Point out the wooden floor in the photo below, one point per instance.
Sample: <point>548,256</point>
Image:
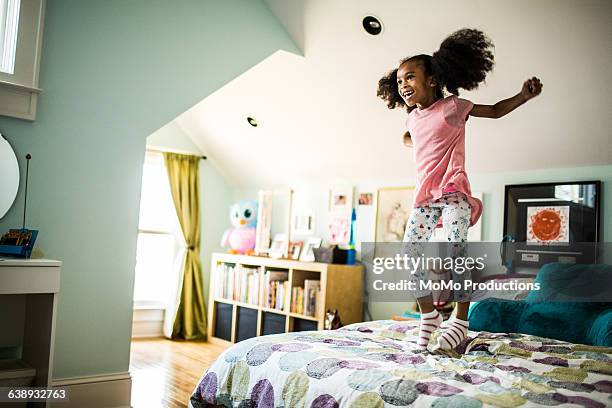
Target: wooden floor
<point>164,372</point>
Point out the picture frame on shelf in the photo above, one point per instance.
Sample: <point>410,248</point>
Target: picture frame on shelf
<point>295,247</point>
<point>340,199</point>
<point>307,254</point>
<point>279,246</point>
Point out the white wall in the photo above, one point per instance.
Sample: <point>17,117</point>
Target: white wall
<point>320,118</point>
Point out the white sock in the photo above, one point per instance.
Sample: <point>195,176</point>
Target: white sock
<point>429,323</point>
<point>454,334</point>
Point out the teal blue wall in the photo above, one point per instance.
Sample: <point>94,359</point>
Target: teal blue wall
<point>113,72</point>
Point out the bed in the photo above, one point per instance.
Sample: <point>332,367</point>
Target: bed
<point>374,364</point>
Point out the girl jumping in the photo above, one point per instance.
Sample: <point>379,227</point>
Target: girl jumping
<point>436,131</point>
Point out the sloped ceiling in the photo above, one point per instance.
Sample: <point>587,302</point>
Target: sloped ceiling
<point>320,121</point>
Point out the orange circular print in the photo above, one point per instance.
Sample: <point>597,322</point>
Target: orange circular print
<point>546,225</point>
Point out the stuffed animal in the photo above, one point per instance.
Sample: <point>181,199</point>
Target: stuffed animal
<point>241,238</point>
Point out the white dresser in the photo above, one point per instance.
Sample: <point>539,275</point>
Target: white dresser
<point>29,290</point>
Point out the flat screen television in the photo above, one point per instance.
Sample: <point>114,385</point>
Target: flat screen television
<point>552,222</point>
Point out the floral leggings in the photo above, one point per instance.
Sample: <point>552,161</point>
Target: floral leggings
<point>455,212</point>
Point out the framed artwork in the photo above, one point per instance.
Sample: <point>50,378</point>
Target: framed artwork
<point>341,199</point>
<point>307,255</point>
<point>552,222</point>
<point>303,224</point>
<point>365,199</point>
<point>393,207</point>
<point>548,224</point>
<point>340,230</point>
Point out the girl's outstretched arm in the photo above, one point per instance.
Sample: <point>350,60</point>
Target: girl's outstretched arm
<point>531,88</point>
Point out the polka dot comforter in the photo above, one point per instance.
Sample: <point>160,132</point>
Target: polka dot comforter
<point>375,364</point>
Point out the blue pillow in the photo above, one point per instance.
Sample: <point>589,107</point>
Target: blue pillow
<point>567,321</point>
<point>496,315</point>
<point>573,283</point>
<point>600,333</point>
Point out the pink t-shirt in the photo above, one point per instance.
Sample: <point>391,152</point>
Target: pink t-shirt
<point>438,139</point>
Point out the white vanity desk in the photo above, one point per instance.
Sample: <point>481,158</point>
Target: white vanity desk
<point>29,291</point>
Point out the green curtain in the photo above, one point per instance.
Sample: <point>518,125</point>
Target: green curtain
<point>190,321</point>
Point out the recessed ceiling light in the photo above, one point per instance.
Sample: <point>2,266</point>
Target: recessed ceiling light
<point>372,25</point>
<point>252,121</point>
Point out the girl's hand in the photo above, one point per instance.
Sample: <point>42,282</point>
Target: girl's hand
<point>531,88</point>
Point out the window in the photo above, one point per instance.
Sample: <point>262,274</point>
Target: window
<point>9,27</point>
<point>157,243</point>
<point>21,32</point>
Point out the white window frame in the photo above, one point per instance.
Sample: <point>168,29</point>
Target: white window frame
<point>19,91</point>
<point>155,304</point>
<point>147,304</point>
<point>9,30</point>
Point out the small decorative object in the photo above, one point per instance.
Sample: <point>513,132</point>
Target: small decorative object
<point>324,254</point>
<point>333,255</point>
<point>307,255</point>
<point>303,224</point>
<point>264,223</point>
<point>392,211</point>
<point>332,320</point>
<point>365,199</point>
<point>279,246</point>
<point>295,248</point>
<point>20,242</point>
<point>351,256</point>
<point>341,199</point>
<point>241,238</point>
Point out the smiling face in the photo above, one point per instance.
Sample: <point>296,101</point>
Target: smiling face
<point>414,85</point>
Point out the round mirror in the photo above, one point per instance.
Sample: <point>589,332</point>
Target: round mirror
<point>9,176</point>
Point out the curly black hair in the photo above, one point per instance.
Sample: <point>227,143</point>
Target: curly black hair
<point>463,61</point>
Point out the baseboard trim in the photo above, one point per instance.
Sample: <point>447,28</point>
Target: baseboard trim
<point>147,329</point>
<point>97,391</point>
<point>148,323</point>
